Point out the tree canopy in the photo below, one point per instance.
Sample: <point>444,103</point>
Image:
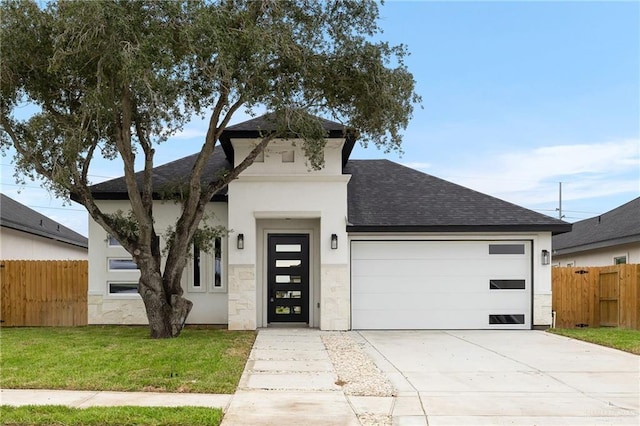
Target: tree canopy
<point>114,78</point>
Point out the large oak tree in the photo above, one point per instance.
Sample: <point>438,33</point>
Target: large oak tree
<point>116,78</point>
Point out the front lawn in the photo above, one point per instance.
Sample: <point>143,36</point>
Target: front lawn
<point>106,416</point>
<point>617,338</point>
<point>123,358</point>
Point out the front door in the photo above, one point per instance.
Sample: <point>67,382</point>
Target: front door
<point>288,278</point>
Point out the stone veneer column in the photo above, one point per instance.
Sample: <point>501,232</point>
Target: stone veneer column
<point>335,304</point>
<point>542,309</point>
<point>242,297</point>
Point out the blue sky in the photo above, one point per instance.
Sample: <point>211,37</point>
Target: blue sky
<point>517,96</point>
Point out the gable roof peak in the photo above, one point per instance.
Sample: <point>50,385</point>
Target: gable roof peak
<point>256,127</point>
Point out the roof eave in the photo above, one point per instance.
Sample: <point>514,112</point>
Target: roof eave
<point>227,146</point>
<point>597,245</point>
<point>116,195</point>
<point>45,235</point>
<point>554,228</point>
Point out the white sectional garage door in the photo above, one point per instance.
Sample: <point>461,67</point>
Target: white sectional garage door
<point>441,284</point>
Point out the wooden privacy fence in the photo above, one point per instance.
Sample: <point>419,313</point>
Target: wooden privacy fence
<point>603,296</point>
<point>43,293</point>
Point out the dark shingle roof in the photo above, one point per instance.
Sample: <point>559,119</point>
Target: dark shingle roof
<point>165,177</point>
<point>618,226</point>
<point>263,124</point>
<point>21,218</point>
<point>386,196</point>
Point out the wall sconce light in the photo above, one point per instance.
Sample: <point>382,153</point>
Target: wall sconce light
<point>334,241</point>
<point>546,257</point>
<point>240,241</point>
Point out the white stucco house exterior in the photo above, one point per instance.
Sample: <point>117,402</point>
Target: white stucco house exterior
<point>26,234</point>
<point>608,239</point>
<point>359,244</point>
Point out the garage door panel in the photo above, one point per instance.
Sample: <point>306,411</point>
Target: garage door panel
<point>440,301</point>
<point>439,284</point>
<point>411,320</point>
<point>412,268</point>
<point>417,250</point>
<point>430,284</point>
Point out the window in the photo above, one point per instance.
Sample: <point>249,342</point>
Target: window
<point>620,260</point>
<point>112,242</point>
<point>207,268</point>
<point>196,265</point>
<point>506,248</point>
<point>217,281</point>
<point>123,288</point>
<point>506,319</point>
<point>122,264</point>
<point>507,284</point>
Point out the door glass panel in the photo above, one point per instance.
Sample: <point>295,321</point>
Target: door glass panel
<point>297,309</point>
<point>288,294</point>
<point>288,263</point>
<point>283,310</point>
<point>288,248</point>
<point>288,279</point>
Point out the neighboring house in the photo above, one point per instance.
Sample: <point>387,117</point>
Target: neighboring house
<point>359,244</point>
<point>609,239</point>
<point>26,234</point>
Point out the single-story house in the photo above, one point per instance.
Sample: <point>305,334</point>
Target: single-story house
<point>359,244</point>
<point>26,234</point>
<point>608,239</point>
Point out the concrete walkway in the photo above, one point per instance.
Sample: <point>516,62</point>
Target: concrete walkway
<point>84,399</point>
<point>289,379</point>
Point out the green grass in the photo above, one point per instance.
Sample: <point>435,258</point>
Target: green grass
<point>104,416</point>
<point>120,358</point>
<point>617,338</point>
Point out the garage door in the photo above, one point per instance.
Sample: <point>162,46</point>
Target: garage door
<point>441,284</point>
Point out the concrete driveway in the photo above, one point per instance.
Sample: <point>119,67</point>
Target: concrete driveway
<point>505,377</point>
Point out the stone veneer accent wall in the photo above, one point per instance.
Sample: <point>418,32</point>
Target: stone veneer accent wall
<point>103,310</point>
<point>242,297</point>
<point>335,304</point>
<point>542,309</point>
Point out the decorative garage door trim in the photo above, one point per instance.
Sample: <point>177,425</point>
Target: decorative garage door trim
<point>441,284</point>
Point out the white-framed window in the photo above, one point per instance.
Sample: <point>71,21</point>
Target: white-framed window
<point>121,264</point>
<point>112,241</point>
<point>206,273</point>
<point>620,260</point>
<point>122,288</point>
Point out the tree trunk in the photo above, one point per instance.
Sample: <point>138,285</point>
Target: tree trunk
<point>167,314</point>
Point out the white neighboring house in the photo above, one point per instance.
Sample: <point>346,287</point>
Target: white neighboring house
<point>359,244</point>
<point>609,239</point>
<point>26,234</point>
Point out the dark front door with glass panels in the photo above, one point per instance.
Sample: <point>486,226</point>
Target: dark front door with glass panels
<point>288,278</point>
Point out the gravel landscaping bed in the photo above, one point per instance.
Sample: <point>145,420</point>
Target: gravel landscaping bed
<point>357,373</point>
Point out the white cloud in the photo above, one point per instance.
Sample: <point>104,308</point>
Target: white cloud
<point>531,176</point>
<point>418,165</point>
